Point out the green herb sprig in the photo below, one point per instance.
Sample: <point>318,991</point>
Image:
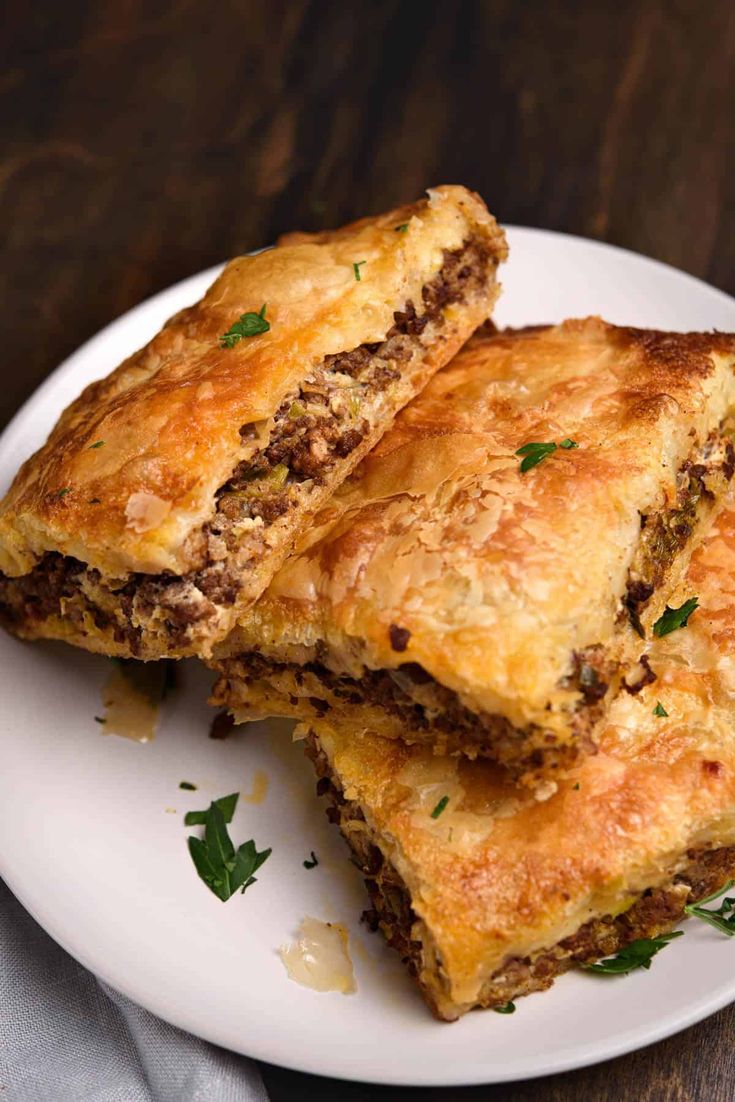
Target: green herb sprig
<point>505,1008</point>
<point>312,864</point>
<point>249,325</point>
<point>638,954</point>
<point>440,807</point>
<point>97,444</point>
<point>226,805</point>
<point>723,919</point>
<point>659,710</point>
<point>535,453</point>
<point>673,618</point>
<point>223,869</point>
<point>356,269</point>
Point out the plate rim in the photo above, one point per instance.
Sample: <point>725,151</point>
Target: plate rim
<point>627,1043</point>
<point>593,1052</point>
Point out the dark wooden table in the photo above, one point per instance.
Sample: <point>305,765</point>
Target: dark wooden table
<point>143,141</point>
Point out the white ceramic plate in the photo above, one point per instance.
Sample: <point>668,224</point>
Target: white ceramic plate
<point>89,846</point>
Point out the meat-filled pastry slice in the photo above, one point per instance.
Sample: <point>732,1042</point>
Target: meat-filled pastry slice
<point>488,893</point>
<point>169,492</point>
<point>483,580</point>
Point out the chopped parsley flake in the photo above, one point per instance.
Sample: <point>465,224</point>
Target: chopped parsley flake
<point>535,453</point>
<point>97,444</point>
<point>659,710</point>
<point>188,786</point>
<point>723,919</point>
<point>356,269</point>
<point>440,807</point>
<point>226,805</point>
<point>576,787</point>
<point>58,494</point>
<point>403,228</point>
<point>638,954</point>
<point>100,719</point>
<point>249,325</point>
<point>505,1008</point>
<point>312,864</point>
<point>224,869</point>
<point>673,618</point>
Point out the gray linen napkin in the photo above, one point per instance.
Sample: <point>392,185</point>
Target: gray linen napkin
<point>66,1037</point>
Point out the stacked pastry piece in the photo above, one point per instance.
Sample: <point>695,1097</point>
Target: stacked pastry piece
<point>486,638</point>
<point>169,493</point>
<point>483,629</point>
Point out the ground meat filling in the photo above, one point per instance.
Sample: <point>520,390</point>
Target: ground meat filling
<point>313,429</point>
<point>322,422</point>
<point>665,534</point>
<point>391,908</point>
<point>424,705</point>
<point>655,910</point>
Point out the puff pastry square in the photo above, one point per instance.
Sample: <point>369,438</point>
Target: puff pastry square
<point>168,494</point>
<point>499,893</point>
<point>448,596</point>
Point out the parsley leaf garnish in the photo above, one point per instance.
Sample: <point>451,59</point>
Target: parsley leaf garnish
<point>249,325</point>
<point>535,453</point>
<point>313,863</point>
<point>226,805</point>
<point>636,955</point>
<point>97,444</point>
<point>659,710</point>
<point>673,618</point>
<point>58,494</point>
<point>223,868</point>
<point>723,919</point>
<point>356,269</point>
<point>100,719</point>
<point>403,228</point>
<point>440,807</point>
<point>187,786</point>
<point>505,1008</point>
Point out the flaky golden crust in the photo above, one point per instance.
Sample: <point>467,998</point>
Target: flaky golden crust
<point>129,476</point>
<point>500,877</point>
<point>496,579</point>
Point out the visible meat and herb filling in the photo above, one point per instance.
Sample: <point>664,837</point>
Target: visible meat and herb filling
<point>663,535</point>
<point>322,423</point>
<point>655,911</point>
<point>429,711</point>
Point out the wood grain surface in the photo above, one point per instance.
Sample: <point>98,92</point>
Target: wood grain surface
<point>144,141</point>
